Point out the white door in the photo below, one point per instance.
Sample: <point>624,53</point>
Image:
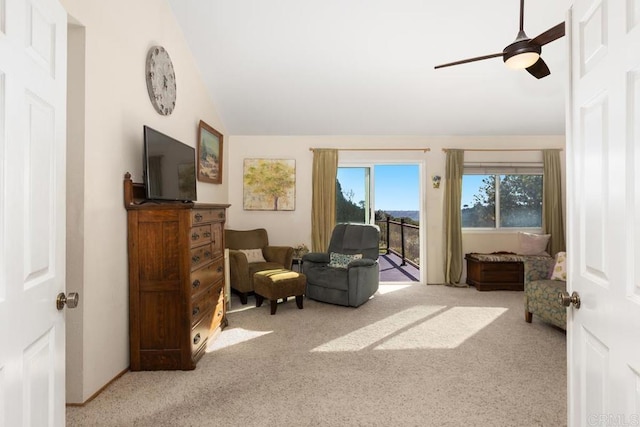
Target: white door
<point>32,211</point>
<point>603,170</point>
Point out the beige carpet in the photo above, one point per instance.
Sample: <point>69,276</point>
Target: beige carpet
<point>414,355</point>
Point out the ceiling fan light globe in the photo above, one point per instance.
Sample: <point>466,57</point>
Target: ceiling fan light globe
<point>522,60</point>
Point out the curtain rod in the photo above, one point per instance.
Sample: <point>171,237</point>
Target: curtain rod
<point>501,149</point>
<point>424,150</point>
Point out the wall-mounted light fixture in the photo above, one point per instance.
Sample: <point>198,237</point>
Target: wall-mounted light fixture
<point>435,179</point>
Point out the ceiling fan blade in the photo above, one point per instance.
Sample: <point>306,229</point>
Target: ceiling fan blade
<point>550,35</point>
<point>539,69</point>
<point>464,61</point>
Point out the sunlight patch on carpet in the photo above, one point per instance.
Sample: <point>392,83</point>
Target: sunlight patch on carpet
<point>387,289</point>
<point>234,336</point>
<point>446,330</point>
<point>378,331</point>
<point>244,307</point>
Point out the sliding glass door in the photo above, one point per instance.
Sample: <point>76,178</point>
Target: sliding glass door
<point>387,195</point>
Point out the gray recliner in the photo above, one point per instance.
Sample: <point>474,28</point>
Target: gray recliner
<point>351,286</point>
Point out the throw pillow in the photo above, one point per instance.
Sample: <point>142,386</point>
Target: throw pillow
<point>560,269</point>
<point>337,260</point>
<point>533,244</point>
<point>253,255</point>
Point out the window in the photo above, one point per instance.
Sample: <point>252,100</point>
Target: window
<point>502,200</point>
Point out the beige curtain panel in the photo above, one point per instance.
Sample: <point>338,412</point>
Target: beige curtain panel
<point>552,217</point>
<point>453,217</point>
<point>323,199</point>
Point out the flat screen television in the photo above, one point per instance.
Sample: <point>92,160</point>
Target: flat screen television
<point>169,168</point>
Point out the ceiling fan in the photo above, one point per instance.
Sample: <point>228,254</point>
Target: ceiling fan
<point>523,52</point>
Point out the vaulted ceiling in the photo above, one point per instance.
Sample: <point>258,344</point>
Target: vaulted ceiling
<point>365,67</point>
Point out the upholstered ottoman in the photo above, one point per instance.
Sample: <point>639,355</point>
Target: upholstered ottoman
<point>276,284</point>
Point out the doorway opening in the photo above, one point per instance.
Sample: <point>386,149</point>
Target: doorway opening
<point>387,195</point>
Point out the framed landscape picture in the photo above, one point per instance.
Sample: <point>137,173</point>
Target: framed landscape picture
<point>209,154</point>
<point>269,185</point>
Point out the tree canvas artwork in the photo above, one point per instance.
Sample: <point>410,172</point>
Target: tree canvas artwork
<point>269,185</point>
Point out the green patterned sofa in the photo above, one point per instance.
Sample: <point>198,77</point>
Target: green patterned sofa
<point>541,294</point>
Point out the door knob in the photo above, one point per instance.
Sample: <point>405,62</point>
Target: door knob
<point>71,301</point>
<point>567,300</point>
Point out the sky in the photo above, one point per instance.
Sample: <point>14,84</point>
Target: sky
<point>397,186</point>
<point>470,186</point>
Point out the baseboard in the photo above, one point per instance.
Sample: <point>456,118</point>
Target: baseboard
<point>94,395</point>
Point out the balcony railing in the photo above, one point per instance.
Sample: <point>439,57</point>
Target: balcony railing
<point>402,239</point>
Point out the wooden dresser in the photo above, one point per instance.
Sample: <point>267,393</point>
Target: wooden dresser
<point>176,279</point>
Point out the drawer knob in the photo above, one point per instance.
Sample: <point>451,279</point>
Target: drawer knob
<point>196,339</point>
<point>207,234</point>
<point>198,217</point>
<point>195,236</point>
<point>195,311</point>
<point>195,258</point>
<point>219,269</point>
<point>207,254</point>
<point>196,284</point>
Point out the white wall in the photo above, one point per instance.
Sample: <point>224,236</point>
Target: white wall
<point>293,227</point>
<point>117,37</point>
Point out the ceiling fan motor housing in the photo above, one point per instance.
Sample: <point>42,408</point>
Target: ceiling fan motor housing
<point>520,46</point>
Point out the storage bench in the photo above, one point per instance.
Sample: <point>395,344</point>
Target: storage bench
<point>496,271</point>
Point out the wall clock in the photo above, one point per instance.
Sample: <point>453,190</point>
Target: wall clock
<point>161,80</point>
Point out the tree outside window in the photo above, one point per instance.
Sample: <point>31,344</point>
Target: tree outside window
<point>346,209</point>
<point>502,201</point>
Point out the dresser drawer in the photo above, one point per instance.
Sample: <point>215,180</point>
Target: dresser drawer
<point>201,256</point>
<point>218,312</point>
<point>201,216</point>
<point>203,303</point>
<point>200,332</point>
<point>216,239</point>
<point>200,234</point>
<point>205,276</point>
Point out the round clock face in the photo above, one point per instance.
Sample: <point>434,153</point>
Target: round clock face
<point>161,80</point>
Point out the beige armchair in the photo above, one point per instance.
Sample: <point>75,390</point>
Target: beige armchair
<point>244,260</point>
